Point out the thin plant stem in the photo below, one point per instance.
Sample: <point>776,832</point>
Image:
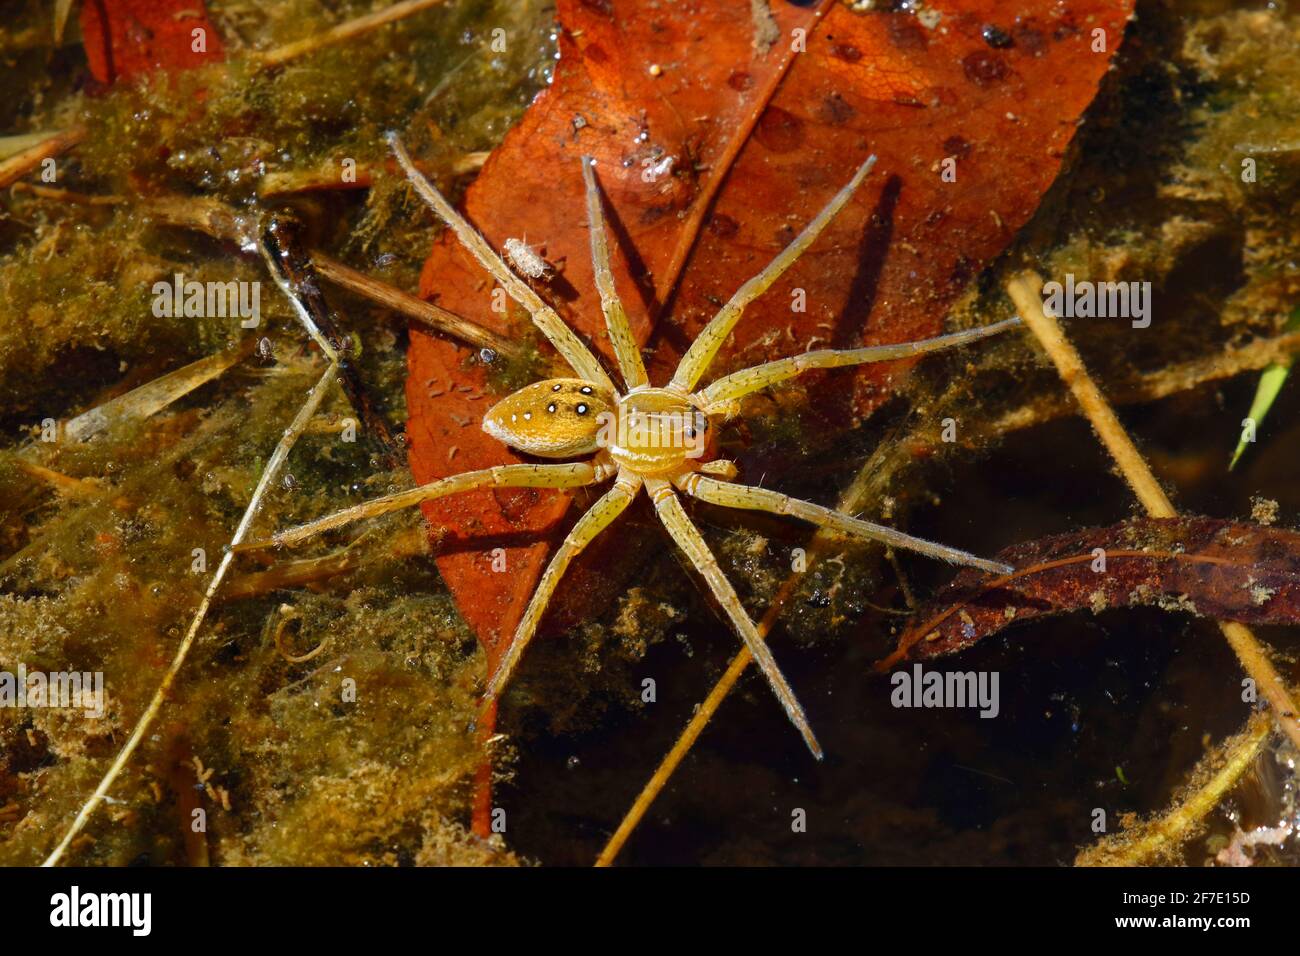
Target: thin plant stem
<point>1132,848</point>
<point>150,714</point>
<point>343,32</point>
<point>19,165</point>
<point>1025,291</point>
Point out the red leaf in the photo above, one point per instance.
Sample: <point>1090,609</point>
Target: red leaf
<point>124,38</point>
<point>1206,566</point>
<point>759,139</point>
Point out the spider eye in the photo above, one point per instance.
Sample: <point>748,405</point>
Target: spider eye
<point>556,388</point>
<point>586,390</point>
<point>582,409</point>
<point>551,407</point>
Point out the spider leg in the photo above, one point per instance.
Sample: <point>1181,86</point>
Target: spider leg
<point>620,331</point>
<point>593,522</point>
<point>688,538</point>
<point>702,351</point>
<point>565,340</point>
<point>738,384</point>
<point>567,475</point>
<point>750,498</point>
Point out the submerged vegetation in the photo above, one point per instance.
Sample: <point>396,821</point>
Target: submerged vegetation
<point>106,545</point>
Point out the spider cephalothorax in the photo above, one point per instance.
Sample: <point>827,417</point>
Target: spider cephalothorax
<point>648,437</point>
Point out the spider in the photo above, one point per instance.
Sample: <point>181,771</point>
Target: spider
<point>643,437</point>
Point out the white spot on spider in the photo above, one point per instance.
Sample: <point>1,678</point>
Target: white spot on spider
<point>582,409</point>
<point>528,416</point>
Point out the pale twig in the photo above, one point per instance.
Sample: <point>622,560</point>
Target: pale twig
<point>147,399</point>
<point>426,313</point>
<point>286,182</point>
<point>344,31</point>
<point>146,720</point>
<point>65,485</point>
<point>1132,847</point>
<point>20,164</point>
<point>1025,291</point>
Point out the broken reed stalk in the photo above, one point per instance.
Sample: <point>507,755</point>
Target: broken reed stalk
<point>1172,829</point>
<point>344,31</point>
<point>413,307</point>
<point>273,466</point>
<point>20,164</point>
<point>1025,291</point>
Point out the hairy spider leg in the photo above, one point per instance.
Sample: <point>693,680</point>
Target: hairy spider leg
<point>752,498</point>
<point>620,330</point>
<point>565,340</point>
<point>688,538</point>
<point>593,521</point>
<point>718,394</point>
<point>567,475</point>
<point>700,355</point>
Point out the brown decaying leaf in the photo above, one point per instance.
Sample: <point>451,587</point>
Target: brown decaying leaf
<point>1205,566</point>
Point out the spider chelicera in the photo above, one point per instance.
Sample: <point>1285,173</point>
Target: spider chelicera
<point>644,437</point>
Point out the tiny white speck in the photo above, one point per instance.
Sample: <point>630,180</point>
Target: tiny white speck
<point>528,416</point>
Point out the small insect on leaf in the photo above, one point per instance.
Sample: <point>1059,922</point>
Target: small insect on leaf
<point>526,260</point>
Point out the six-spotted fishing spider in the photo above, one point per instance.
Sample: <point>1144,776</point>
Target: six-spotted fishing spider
<point>644,436</point>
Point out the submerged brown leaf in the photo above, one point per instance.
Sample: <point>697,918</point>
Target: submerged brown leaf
<point>1203,566</point>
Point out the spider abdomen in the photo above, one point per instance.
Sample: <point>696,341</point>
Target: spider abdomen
<point>555,418</point>
<point>656,431</point>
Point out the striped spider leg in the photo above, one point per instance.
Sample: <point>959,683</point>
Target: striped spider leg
<point>720,399</point>
<point>656,435</point>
